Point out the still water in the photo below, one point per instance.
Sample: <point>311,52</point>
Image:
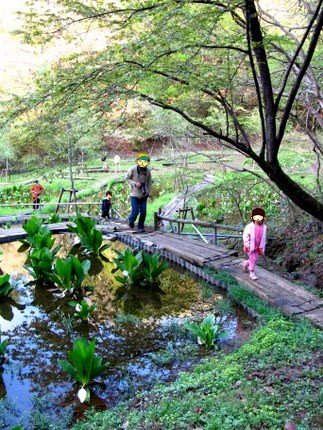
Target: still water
<point>140,334</point>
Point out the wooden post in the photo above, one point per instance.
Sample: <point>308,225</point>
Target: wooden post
<point>155,221</point>
<point>182,213</point>
<point>72,193</point>
<point>59,200</point>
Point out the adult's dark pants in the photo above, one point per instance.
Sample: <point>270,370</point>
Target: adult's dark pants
<point>36,203</point>
<point>139,207</point>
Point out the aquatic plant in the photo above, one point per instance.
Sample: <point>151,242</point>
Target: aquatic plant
<point>38,235</point>
<point>3,347</point>
<point>5,286</point>
<point>84,366</point>
<point>66,320</point>
<point>90,237</point>
<point>128,319</point>
<point>33,226</point>
<point>152,267</point>
<point>41,262</point>
<point>53,218</point>
<point>83,310</point>
<point>92,243</point>
<point>175,354</point>
<point>83,225</point>
<point>69,273</point>
<point>209,331</point>
<point>140,268</point>
<point>130,266</point>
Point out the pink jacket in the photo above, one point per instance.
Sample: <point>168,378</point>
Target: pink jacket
<point>249,238</point>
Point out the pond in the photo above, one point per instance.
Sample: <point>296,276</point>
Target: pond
<point>140,334</point>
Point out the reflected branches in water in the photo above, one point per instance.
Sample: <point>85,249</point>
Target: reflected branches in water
<point>140,332</point>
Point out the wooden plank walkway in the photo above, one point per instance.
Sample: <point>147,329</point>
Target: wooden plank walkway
<point>16,233</point>
<point>274,290</point>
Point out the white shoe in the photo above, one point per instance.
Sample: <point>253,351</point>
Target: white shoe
<point>252,276</point>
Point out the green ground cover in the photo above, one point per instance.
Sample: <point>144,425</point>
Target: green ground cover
<point>272,379</point>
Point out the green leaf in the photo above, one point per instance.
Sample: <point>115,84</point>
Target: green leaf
<point>84,366</point>
<point>208,331</point>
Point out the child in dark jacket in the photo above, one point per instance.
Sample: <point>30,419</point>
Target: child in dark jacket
<point>106,205</point>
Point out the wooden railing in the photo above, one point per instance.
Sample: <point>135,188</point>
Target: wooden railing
<point>42,205</point>
<point>195,223</point>
<point>67,205</point>
<point>14,205</point>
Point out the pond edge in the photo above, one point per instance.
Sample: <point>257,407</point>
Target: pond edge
<point>198,271</point>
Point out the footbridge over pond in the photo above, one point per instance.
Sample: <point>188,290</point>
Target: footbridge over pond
<point>196,256</point>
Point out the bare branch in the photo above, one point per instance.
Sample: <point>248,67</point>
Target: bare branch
<point>293,93</point>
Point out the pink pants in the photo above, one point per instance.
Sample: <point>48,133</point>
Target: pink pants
<point>253,258</point>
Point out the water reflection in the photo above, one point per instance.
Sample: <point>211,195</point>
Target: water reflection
<point>45,298</point>
<point>3,390</point>
<point>6,309</point>
<point>136,299</point>
<point>131,326</point>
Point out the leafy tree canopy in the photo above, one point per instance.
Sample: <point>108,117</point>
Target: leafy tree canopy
<point>216,64</point>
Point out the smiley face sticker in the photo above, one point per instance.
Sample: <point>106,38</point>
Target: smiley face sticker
<point>143,160</point>
<point>258,214</point>
<point>257,218</point>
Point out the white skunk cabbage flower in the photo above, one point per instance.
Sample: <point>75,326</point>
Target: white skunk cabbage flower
<point>78,307</point>
<point>82,394</point>
<point>125,273</point>
<point>60,295</point>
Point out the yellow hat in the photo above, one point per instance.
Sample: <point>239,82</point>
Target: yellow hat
<point>143,156</point>
<point>143,160</point>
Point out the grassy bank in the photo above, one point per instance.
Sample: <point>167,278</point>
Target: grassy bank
<point>273,378</point>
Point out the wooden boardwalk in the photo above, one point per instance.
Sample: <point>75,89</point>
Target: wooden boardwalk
<point>195,255</point>
<point>291,299</point>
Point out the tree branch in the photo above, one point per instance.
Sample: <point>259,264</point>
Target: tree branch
<point>306,63</point>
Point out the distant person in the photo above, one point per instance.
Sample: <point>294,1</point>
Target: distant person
<point>104,163</point>
<point>139,179</point>
<point>116,162</point>
<point>106,205</point>
<point>37,190</point>
<point>254,241</point>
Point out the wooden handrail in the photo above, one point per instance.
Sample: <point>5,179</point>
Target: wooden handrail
<point>194,223</point>
<point>52,204</point>
<point>10,218</point>
<point>200,223</point>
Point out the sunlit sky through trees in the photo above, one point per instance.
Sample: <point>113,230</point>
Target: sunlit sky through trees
<point>18,61</point>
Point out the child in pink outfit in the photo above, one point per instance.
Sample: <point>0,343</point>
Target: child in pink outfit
<point>254,240</point>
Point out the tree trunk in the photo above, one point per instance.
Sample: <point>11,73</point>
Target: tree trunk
<point>292,190</point>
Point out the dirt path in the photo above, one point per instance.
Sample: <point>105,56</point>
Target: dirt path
<point>179,201</point>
